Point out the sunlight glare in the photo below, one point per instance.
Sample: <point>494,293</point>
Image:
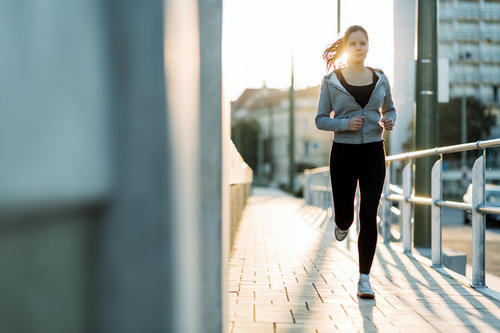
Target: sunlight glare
<point>260,37</point>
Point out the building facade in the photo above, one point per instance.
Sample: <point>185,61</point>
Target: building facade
<point>469,36</point>
<point>468,41</point>
<point>270,108</point>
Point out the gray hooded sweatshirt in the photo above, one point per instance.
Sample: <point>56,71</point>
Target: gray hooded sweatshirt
<point>334,97</point>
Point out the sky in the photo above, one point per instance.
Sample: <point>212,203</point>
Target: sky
<point>260,36</point>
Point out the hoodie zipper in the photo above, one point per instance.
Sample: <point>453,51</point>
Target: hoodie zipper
<point>379,82</point>
<point>363,127</point>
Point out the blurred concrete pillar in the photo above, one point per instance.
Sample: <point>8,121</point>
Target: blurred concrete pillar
<point>136,253</point>
<point>182,64</point>
<point>194,102</point>
<point>110,141</point>
<point>56,162</point>
<point>210,168</point>
<point>162,259</point>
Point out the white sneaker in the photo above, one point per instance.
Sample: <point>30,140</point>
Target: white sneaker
<point>364,289</point>
<point>340,234</point>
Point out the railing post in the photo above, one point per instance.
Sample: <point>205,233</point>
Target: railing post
<point>313,196</point>
<point>326,181</point>
<point>436,226</point>
<point>352,235</point>
<point>386,207</point>
<point>324,202</point>
<point>319,196</point>
<point>307,194</point>
<point>330,202</point>
<point>478,223</point>
<point>356,208</point>
<point>406,207</point>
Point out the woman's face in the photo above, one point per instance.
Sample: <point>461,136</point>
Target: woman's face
<point>357,46</point>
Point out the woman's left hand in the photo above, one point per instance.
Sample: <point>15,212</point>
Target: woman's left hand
<point>387,123</point>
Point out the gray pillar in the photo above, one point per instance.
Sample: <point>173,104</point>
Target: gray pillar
<point>162,259</point>
<point>111,138</point>
<point>291,136</point>
<point>211,275</point>
<point>135,250</point>
<point>426,125</point>
<point>55,176</point>
<point>194,94</point>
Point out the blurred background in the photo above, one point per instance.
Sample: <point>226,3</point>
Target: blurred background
<point>131,132</point>
<point>258,66</point>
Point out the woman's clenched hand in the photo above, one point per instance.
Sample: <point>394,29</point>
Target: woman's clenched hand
<point>356,122</point>
<point>387,123</point>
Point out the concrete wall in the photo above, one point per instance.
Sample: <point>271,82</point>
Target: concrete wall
<point>135,251</point>
<point>110,197</point>
<point>55,174</point>
<point>238,199</point>
<point>47,273</point>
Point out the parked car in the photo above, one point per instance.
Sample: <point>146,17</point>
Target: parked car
<point>492,198</point>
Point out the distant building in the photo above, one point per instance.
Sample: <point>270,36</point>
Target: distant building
<point>270,107</point>
<point>469,38</point>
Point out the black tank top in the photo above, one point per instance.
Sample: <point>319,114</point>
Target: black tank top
<point>360,93</point>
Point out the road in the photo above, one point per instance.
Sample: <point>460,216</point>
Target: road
<point>458,236</point>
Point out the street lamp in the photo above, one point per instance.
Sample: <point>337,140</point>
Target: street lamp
<point>463,56</point>
<point>338,17</point>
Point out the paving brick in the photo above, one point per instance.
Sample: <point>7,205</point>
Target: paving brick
<point>288,274</point>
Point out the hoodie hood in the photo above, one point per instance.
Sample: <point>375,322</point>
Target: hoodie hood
<point>334,80</point>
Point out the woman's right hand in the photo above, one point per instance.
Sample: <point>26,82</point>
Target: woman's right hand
<point>356,122</point>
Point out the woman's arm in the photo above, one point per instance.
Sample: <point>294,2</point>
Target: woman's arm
<point>323,120</point>
<point>388,110</point>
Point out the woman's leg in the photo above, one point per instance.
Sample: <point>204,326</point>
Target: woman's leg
<point>344,181</point>
<point>371,183</point>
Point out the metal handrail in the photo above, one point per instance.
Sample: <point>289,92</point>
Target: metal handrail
<point>444,150</point>
<point>454,204</point>
<point>406,198</point>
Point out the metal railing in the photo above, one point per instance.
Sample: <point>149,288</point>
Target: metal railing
<point>317,192</point>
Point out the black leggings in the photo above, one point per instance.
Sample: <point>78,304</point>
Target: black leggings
<point>350,163</point>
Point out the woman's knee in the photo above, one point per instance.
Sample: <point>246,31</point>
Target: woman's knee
<point>368,222</point>
<point>368,215</point>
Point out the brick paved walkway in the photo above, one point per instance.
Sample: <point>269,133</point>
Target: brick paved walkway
<point>288,274</point>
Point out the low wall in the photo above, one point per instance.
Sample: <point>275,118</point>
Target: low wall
<point>240,185</point>
<point>239,195</point>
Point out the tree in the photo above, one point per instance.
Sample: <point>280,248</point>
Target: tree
<point>408,145</point>
<point>245,135</point>
<point>479,121</point>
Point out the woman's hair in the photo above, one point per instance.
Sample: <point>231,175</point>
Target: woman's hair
<point>335,50</point>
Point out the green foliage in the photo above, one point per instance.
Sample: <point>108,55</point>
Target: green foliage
<point>245,135</point>
<point>479,121</point>
<point>408,144</point>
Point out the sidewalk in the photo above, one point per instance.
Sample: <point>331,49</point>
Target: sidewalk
<point>288,275</point>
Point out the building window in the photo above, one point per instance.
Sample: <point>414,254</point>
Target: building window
<point>495,94</point>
